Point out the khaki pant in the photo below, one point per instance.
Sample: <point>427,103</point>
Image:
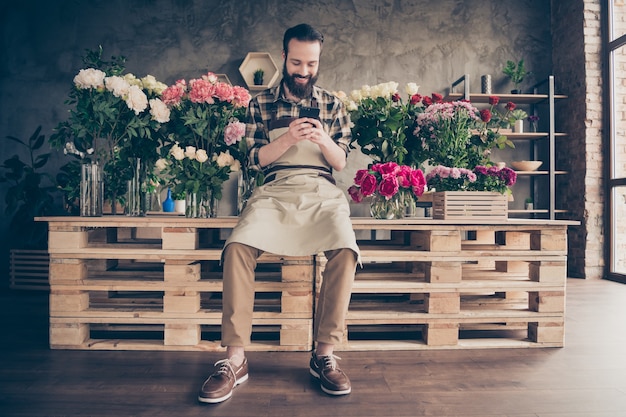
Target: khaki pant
<point>240,262</point>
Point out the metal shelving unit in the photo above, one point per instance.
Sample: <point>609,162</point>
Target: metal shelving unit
<point>542,93</point>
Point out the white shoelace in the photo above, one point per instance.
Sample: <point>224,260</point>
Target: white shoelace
<point>330,361</point>
<point>224,367</point>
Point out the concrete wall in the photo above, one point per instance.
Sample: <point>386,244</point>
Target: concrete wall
<point>367,41</point>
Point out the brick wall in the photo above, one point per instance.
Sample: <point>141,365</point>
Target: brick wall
<point>576,38</point>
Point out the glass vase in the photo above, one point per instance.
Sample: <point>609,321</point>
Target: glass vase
<point>91,190</point>
<point>136,197</point>
<point>200,205</point>
<point>381,208</point>
<point>245,185</point>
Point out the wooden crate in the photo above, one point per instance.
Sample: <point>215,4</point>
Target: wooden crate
<point>469,205</point>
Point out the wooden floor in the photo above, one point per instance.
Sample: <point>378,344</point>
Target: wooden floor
<point>585,378</point>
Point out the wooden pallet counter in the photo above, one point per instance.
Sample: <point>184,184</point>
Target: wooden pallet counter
<point>154,283</point>
<point>454,284</point>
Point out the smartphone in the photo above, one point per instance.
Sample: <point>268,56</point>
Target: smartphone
<point>310,112</point>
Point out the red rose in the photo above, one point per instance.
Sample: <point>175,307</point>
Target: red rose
<point>396,97</point>
<point>437,98</point>
<point>427,101</point>
<point>387,168</point>
<point>360,174</point>
<point>510,106</point>
<point>485,115</point>
<point>355,193</point>
<point>494,100</point>
<point>417,178</point>
<point>388,186</point>
<point>404,176</point>
<point>368,185</point>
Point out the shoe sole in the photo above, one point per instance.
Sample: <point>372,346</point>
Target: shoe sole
<point>326,390</point>
<point>225,397</point>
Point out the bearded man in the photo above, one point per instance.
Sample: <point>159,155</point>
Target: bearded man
<point>298,134</point>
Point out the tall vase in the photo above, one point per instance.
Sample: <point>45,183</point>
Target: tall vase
<point>91,190</point>
<point>245,185</point>
<point>136,198</point>
<point>381,208</point>
<point>201,204</point>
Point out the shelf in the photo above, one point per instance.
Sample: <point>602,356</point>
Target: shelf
<point>515,98</point>
<point>536,211</point>
<point>223,78</point>
<point>531,135</point>
<point>254,61</point>
<point>540,172</point>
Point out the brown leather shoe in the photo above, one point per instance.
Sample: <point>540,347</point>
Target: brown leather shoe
<point>219,386</point>
<point>333,380</point>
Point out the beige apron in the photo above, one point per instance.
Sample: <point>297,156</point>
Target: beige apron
<point>299,212</point>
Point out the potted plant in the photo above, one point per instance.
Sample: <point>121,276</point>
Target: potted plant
<point>258,76</point>
<point>528,203</point>
<point>516,73</point>
<point>516,120</point>
<point>30,194</point>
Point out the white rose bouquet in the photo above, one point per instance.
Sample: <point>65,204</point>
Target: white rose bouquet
<point>115,118</point>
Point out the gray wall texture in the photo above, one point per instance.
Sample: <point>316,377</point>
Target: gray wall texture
<point>367,42</point>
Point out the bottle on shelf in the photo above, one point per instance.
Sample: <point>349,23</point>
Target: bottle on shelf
<point>168,203</point>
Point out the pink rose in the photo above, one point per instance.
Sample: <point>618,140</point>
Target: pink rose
<point>388,186</point>
<point>386,168</point>
<point>241,96</point>
<point>368,185</point>
<point>202,91</point>
<point>417,178</point>
<point>172,95</point>
<point>234,132</point>
<point>224,92</point>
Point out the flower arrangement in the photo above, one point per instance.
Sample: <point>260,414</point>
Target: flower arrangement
<point>391,188</point>
<point>115,117</point>
<point>387,180</point>
<point>382,123</point>
<point>204,142</point>
<point>481,178</point>
<point>457,134</point>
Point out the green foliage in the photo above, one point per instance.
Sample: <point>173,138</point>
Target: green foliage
<point>382,128</point>
<point>516,72</point>
<point>30,193</point>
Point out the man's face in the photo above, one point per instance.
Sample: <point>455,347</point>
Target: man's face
<point>301,66</point>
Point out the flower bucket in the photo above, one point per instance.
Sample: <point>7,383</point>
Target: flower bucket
<point>470,205</point>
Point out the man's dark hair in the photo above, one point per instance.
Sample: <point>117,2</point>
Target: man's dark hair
<point>303,33</point>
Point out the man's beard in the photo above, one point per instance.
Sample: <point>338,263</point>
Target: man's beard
<point>299,90</point>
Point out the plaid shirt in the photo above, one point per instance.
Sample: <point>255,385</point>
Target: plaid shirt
<point>333,115</point>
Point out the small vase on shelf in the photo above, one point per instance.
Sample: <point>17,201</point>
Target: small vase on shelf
<point>168,203</point>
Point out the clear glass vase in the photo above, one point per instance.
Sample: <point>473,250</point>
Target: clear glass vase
<point>136,197</point>
<point>245,185</point>
<point>200,205</point>
<point>381,208</point>
<point>91,190</point>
